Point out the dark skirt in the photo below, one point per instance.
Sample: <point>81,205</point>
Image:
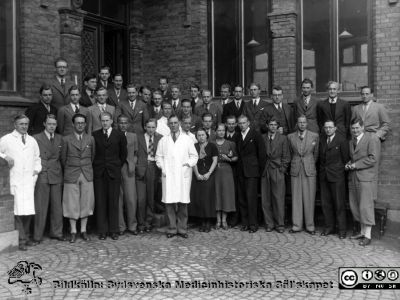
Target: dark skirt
<point>202,198</point>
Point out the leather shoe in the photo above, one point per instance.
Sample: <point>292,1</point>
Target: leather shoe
<point>59,238</point>
<point>268,228</point>
<point>183,235</point>
<point>280,230</point>
<point>294,231</point>
<point>357,236</point>
<point>31,243</point>
<point>326,232</point>
<point>312,232</point>
<point>253,229</point>
<point>121,232</point>
<point>170,235</point>
<point>102,237</point>
<point>148,229</point>
<point>133,232</point>
<point>365,242</point>
<point>114,236</point>
<point>85,237</point>
<point>73,238</point>
<point>22,247</point>
<point>342,235</point>
<point>244,228</point>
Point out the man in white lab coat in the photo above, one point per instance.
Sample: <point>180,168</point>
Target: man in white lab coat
<point>22,154</point>
<point>176,155</point>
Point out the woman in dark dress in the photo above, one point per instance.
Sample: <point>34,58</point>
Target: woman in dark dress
<point>202,192</point>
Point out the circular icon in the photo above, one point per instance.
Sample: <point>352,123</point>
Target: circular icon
<point>392,275</point>
<point>349,278</point>
<point>367,275</point>
<point>380,275</point>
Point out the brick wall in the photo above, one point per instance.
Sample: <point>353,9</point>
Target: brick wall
<point>6,200</point>
<point>171,46</point>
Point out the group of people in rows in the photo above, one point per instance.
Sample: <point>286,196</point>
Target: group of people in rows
<point>103,151</point>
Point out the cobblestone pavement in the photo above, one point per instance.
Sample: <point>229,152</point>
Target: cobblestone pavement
<point>220,255</point>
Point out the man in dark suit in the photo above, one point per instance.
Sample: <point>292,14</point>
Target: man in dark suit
<point>225,92</point>
<point>147,175</point>
<point>209,107</point>
<point>117,93</point>
<point>254,108</point>
<point>66,112</point>
<point>111,153</point>
<point>186,112</point>
<point>88,97</point>
<point>155,110</point>
<point>175,101</point>
<point>128,198</point>
<point>251,163</point>
<point>306,105</point>
<point>333,156</point>
<point>234,108</point>
<point>208,126</point>
<point>363,166</point>
<point>273,186</point>
<point>49,183</point>
<point>282,112</point>
<point>135,110</point>
<point>61,84</point>
<point>38,112</point>
<point>195,99</point>
<point>104,77</point>
<point>163,86</point>
<point>334,109</point>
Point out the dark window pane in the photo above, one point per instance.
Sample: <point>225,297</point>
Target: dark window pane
<point>226,43</point>
<point>317,48</point>
<point>91,6</point>
<point>114,9</point>
<point>255,43</point>
<point>7,46</point>
<point>353,44</point>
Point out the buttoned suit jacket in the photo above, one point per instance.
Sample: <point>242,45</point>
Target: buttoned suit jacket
<point>153,114</point>
<point>110,154</point>
<point>113,99</point>
<point>278,154</point>
<point>256,115</point>
<point>376,118</point>
<point>178,109</point>
<point>342,115</point>
<point>137,116</point>
<point>50,155</point>
<point>37,114</point>
<point>142,154</point>
<point>77,157</point>
<point>310,112</point>
<point>231,109</point>
<point>271,111</point>
<point>252,154</point>
<point>365,157</point>
<point>306,156</point>
<point>85,100</point>
<point>60,95</point>
<point>194,105</point>
<point>64,119</point>
<point>95,113</point>
<point>333,158</point>
<point>214,110</point>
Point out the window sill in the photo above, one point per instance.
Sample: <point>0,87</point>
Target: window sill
<point>18,101</point>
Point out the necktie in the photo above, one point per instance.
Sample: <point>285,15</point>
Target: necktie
<point>105,135</point>
<point>48,107</point>
<point>301,137</point>
<point>132,104</point>
<point>305,102</point>
<point>174,105</point>
<point>328,141</point>
<point>52,138</point>
<point>206,107</point>
<point>354,143</point>
<point>254,103</point>
<point>238,104</point>
<point>117,92</point>
<point>63,84</point>
<point>102,108</point>
<point>76,108</point>
<point>80,137</point>
<point>174,137</point>
<point>151,147</point>
<point>270,138</point>
<point>23,139</point>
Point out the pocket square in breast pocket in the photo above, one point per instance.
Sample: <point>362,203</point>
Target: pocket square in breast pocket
<point>140,111</point>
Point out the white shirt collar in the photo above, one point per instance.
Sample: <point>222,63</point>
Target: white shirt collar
<point>257,100</point>
<point>359,137</point>
<point>278,105</point>
<point>245,133</point>
<point>333,100</point>
<point>74,106</point>
<point>108,131</point>
<point>47,134</point>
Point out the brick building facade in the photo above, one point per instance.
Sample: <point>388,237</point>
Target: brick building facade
<point>175,38</point>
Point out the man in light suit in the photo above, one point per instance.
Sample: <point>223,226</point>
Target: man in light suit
<point>100,106</point>
<point>209,107</point>
<point>38,112</point>
<point>48,189</point>
<point>88,97</point>
<point>111,153</point>
<point>303,145</point>
<point>250,167</point>
<point>135,110</point>
<point>273,178</point>
<point>282,112</point>
<point>66,112</point>
<point>61,84</point>
<point>306,105</point>
<point>334,109</point>
<point>116,93</point>
<point>128,198</point>
<point>363,175</point>
<point>254,108</point>
<point>147,175</point>
<point>333,156</point>
<point>374,115</point>
<point>234,108</point>
<point>77,156</point>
